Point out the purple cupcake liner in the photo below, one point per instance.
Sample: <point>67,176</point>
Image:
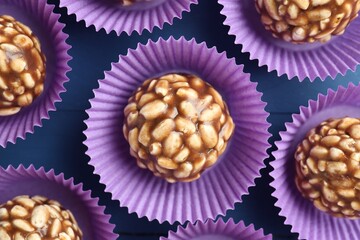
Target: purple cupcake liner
<point>218,230</point>
<point>299,212</point>
<point>39,16</point>
<point>338,56</point>
<point>111,16</point>
<point>220,187</point>
<point>30,181</point>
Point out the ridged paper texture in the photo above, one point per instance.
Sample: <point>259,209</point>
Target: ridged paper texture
<point>299,212</point>
<point>220,187</point>
<point>111,16</point>
<point>39,16</point>
<point>338,56</point>
<point>31,181</point>
<point>217,230</point>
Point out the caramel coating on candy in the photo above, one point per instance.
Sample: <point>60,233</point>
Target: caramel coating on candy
<point>22,66</point>
<point>132,2</point>
<point>307,21</point>
<point>177,126</point>
<point>37,218</point>
<point>328,167</point>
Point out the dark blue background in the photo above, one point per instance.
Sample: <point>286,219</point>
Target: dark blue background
<point>59,143</point>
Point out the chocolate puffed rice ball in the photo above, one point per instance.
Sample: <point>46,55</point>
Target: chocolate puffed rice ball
<point>37,218</point>
<point>307,21</point>
<point>177,126</point>
<point>132,2</point>
<point>328,167</point>
<point>22,66</point>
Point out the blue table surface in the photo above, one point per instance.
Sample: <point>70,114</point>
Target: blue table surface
<point>59,143</point>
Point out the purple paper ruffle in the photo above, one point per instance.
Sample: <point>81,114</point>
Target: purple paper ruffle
<point>218,230</point>
<point>299,212</point>
<point>30,181</point>
<point>338,56</point>
<point>39,16</point>
<point>220,187</point>
<point>111,16</point>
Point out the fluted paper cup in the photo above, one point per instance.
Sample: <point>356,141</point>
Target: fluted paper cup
<point>220,187</point>
<point>31,181</point>
<point>299,212</point>
<point>111,16</point>
<point>218,230</point>
<point>39,16</point>
<point>337,56</point>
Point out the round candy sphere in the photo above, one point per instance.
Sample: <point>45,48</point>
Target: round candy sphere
<point>328,167</point>
<point>37,218</point>
<point>132,2</point>
<point>177,126</point>
<point>22,66</point>
<point>307,21</point>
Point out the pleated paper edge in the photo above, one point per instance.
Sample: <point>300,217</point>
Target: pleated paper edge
<point>297,119</point>
<point>129,29</point>
<point>172,221</point>
<point>48,104</point>
<point>230,228</point>
<point>92,203</point>
<point>273,68</point>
